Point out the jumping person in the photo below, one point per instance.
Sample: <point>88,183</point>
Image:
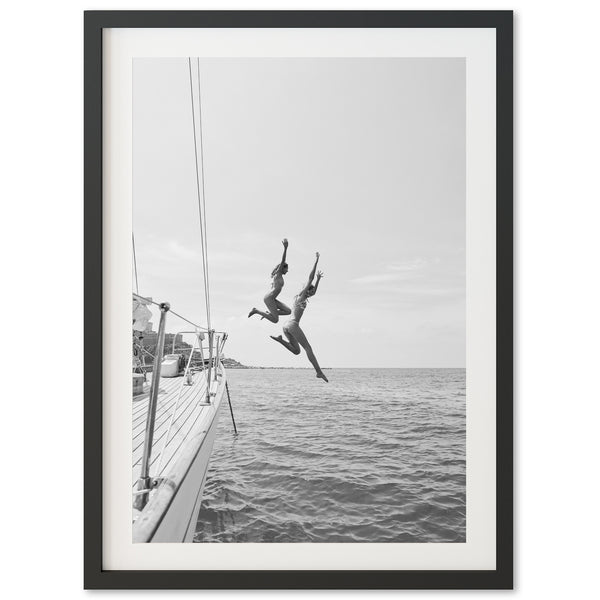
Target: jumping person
<point>291,328</point>
<point>275,306</point>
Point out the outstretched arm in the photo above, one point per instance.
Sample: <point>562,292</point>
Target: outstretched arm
<point>285,247</point>
<point>319,277</point>
<point>311,275</point>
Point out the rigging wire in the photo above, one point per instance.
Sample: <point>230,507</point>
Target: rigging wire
<point>199,194</point>
<point>205,236</point>
<point>172,312</point>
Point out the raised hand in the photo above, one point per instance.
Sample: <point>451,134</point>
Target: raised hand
<point>320,274</point>
<point>317,255</point>
<point>285,242</point>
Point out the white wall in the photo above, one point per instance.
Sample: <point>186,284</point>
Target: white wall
<point>558,333</point>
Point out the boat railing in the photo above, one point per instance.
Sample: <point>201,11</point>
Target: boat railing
<point>216,341</point>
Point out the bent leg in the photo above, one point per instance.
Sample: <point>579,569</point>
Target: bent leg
<point>264,315</point>
<point>282,309</point>
<point>273,313</point>
<point>292,345</point>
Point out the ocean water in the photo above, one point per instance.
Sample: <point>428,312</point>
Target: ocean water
<point>376,455</point>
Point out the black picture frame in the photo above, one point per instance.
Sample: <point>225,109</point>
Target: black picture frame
<point>95,577</point>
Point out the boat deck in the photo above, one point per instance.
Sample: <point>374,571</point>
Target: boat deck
<point>188,417</point>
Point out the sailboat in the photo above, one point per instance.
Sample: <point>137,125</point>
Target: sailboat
<point>176,401</point>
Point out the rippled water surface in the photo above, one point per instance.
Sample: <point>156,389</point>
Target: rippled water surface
<point>376,455</point>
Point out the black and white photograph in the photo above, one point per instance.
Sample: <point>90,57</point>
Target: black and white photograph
<point>299,300</point>
<point>318,297</point>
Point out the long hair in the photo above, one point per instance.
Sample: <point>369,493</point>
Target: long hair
<point>277,267</point>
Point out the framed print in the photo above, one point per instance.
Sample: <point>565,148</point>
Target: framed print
<point>298,251</point>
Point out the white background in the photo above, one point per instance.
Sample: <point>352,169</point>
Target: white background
<point>556,351</point>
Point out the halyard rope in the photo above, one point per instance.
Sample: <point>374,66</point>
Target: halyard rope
<point>203,222</point>
<point>200,192</point>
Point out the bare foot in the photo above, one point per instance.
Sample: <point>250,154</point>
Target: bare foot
<point>277,338</point>
<point>321,375</point>
<point>252,312</point>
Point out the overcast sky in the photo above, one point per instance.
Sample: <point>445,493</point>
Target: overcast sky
<point>360,159</point>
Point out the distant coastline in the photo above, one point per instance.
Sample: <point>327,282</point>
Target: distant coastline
<point>231,363</point>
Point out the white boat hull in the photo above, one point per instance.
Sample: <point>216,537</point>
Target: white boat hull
<point>172,510</point>
<point>179,522</point>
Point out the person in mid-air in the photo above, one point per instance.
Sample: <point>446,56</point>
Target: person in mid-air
<point>291,328</point>
<point>276,307</point>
